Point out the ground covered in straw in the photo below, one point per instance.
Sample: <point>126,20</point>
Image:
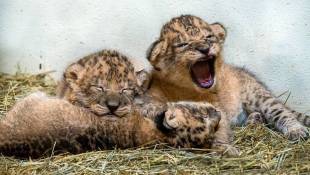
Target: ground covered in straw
<point>263,151</point>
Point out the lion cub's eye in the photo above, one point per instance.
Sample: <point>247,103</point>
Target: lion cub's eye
<point>98,88</point>
<point>211,38</point>
<point>128,92</point>
<point>181,44</point>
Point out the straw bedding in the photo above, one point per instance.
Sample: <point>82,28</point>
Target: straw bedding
<point>263,150</point>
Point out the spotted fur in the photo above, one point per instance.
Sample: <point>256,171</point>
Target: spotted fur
<point>186,40</point>
<point>104,82</point>
<point>39,125</point>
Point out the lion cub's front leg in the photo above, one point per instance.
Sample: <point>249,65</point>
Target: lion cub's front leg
<point>222,142</point>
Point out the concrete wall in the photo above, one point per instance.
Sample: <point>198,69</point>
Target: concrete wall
<point>271,38</point>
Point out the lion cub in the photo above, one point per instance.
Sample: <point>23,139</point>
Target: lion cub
<point>188,65</point>
<point>38,125</point>
<point>104,82</point>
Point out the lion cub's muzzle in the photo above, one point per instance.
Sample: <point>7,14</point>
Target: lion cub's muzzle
<point>203,48</point>
<point>116,104</point>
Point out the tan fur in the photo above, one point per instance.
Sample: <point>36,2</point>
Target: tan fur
<point>39,124</point>
<point>186,40</point>
<point>104,82</point>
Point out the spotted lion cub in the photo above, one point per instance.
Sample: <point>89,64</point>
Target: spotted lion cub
<point>188,65</point>
<point>104,82</point>
<point>39,125</point>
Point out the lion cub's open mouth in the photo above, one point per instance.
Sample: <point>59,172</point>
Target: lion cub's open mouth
<point>203,73</point>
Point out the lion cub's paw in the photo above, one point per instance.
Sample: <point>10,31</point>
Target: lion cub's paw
<point>296,132</point>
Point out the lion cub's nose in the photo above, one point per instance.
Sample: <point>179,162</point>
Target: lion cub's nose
<point>111,101</point>
<point>203,49</point>
<point>112,104</point>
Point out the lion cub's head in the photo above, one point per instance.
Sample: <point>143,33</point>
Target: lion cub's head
<point>188,51</point>
<point>104,82</point>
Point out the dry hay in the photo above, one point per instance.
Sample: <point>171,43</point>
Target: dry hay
<point>263,151</point>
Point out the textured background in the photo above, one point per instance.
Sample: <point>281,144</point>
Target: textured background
<point>271,38</point>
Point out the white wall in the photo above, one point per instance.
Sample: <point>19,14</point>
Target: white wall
<point>271,38</point>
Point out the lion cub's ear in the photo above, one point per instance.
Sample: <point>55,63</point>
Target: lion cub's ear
<point>219,31</point>
<point>154,51</point>
<point>143,79</point>
<point>73,72</point>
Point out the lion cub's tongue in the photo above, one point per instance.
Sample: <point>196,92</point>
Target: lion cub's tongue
<point>202,74</point>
